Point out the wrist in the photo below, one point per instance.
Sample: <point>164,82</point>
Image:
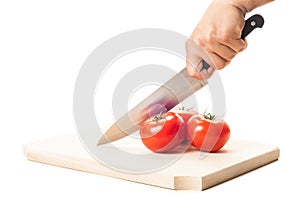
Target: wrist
<point>246,5</point>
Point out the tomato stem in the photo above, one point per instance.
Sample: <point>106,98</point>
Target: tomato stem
<point>189,109</point>
<point>157,117</point>
<point>182,108</point>
<point>208,116</point>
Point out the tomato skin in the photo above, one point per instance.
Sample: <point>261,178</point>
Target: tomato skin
<point>207,135</point>
<point>164,134</point>
<point>186,115</point>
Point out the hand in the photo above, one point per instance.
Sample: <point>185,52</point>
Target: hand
<point>216,39</point>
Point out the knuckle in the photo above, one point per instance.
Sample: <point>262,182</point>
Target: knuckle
<point>201,41</point>
<point>206,39</point>
<point>230,56</point>
<point>225,37</point>
<point>221,64</point>
<point>210,38</point>
<point>191,71</point>
<point>242,47</point>
<point>245,45</point>
<point>188,44</point>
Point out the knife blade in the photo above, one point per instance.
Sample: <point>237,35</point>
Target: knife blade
<point>174,91</point>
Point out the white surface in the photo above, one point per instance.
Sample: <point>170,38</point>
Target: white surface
<point>42,47</point>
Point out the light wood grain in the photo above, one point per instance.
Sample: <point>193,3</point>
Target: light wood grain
<point>188,173</point>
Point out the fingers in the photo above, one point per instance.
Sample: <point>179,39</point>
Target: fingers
<point>216,50</point>
<point>221,50</point>
<point>225,52</point>
<point>237,45</point>
<point>218,61</point>
<point>225,48</point>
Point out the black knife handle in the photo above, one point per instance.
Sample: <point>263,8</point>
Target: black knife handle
<point>255,21</point>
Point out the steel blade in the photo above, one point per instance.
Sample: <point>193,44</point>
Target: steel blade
<point>174,91</point>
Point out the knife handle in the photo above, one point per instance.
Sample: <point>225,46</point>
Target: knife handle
<point>255,21</point>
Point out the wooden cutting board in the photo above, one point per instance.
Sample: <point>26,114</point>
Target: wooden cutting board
<point>189,172</point>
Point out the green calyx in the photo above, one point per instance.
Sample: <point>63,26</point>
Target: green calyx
<point>209,116</point>
<point>157,117</point>
<point>182,108</point>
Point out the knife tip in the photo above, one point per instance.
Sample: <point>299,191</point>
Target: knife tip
<point>112,134</point>
<point>102,140</point>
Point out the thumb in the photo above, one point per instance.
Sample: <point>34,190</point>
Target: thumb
<point>196,67</point>
<point>201,70</point>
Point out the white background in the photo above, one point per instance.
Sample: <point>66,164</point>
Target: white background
<point>43,45</point>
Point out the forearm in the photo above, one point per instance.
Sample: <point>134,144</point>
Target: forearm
<point>246,5</point>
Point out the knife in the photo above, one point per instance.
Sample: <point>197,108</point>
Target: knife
<point>174,91</point>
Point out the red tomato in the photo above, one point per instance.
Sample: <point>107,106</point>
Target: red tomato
<point>207,134</point>
<point>186,114</point>
<point>162,133</point>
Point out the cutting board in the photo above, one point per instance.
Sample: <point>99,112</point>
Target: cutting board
<point>188,173</point>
